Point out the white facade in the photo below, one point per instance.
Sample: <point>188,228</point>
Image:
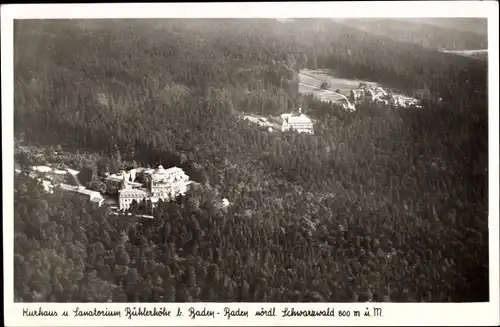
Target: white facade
<point>97,201</point>
<point>47,186</point>
<point>60,172</point>
<point>403,101</point>
<point>127,196</point>
<point>162,184</point>
<point>301,123</point>
<point>356,95</point>
<point>166,184</point>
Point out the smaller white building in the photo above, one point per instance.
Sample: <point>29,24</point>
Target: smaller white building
<point>41,169</point>
<point>127,195</point>
<point>300,123</point>
<point>60,172</point>
<point>47,186</point>
<point>397,100</point>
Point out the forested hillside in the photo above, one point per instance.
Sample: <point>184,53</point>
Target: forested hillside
<point>421,32</point>
<point>373,207</point>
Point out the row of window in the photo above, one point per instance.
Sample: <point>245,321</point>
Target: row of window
<point>131,195</point>
<point>131,200</point>
<point>299,125</point>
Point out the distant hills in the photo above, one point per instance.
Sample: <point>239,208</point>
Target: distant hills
<point>434,33</point>
<point>474,25</point>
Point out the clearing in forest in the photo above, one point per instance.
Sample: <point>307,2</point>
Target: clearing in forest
<point>318,76</point>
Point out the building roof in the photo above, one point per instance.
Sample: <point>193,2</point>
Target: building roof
<point>41,169</point>
<point>67,187</point>
<point>92,194</point>
<point>161,170</point>
<point>166,174</point>
<point>119,179</point>
<point>114,178</point>
<point>59,172</point>
<point>133,192</point>
<point>299,119</point>
<point>81,190</point>
<point>146,170</point>
<point>47,185</point>
<point>73,179</point>
<point>72,171</point>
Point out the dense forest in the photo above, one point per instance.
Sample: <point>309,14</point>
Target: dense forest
<point>425,35</point>
<point>375,206</point>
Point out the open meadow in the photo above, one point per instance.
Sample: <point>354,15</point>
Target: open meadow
<point>323,95</point>
<point>344,85</point>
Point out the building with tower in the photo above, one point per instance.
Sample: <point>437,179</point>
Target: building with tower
<point>166,184</point>
<point>158,184</point>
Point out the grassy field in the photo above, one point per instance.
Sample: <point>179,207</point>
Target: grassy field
<point>324,95</point>
<point>316,77</point>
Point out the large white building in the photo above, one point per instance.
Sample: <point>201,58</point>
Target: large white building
<point>166,184</point>
<point>300,123</point>
<point>160,184</point>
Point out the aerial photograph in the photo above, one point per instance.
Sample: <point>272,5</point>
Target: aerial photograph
<point>251,160</point>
